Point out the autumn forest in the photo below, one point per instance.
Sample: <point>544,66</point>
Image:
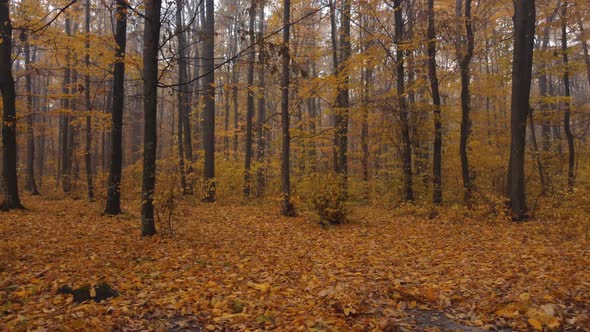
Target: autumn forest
<point>322,165</point>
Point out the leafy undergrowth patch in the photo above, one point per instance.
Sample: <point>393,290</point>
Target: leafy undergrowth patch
<point>245,268</point>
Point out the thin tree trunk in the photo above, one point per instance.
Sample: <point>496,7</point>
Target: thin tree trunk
<point>408,193</point>
<point>437,197</point>
<point>287,208</point>
<point>66,162</point>
<point>567,111</point>
<point>113,203</point>
<point>250,101</point>
<point>88,146</point>
<point>209,110</point>
<point>151,38</point>
<point>183,100</point>
<point>261,116</point>
<point>30,184</point>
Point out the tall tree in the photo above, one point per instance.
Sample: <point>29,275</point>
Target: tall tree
<point>113,204</point>
<point>151,40</point>
<point>9,174</point>
<point>88,142</point>
<point>250,100</point>
<point>567,105</point>
<point>30,183</point>
<point>522,62</point>
<point>287,208</point>
<point>342,99</point>
<point>261,116</point>
<point>66,149</point>
<point>183,104</point>
<point>437,197</point>
<point>209,109</point>
<point>408,191</point>
<point>465,55</point>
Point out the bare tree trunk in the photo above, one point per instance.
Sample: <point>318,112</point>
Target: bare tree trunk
<point>7,88</point>
<point>183,99</point>
<point>437,197</point>
<point>113,203</point>
<point>30,184</point>
<point>66,162</point>
<point>524,34</point>
<point>250,101</point>
<point>567,107</point>
<point>408,192</point>
<point>287,208</point>
<point>88,146</point>
<point>261,116</point>
<point>209,110</point>
<point>151,38</point>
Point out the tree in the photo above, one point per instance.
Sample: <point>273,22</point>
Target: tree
<point>567,111</point>
<point>209,110</point>
<point>465,56</point>
<point>88,145</point>
<point>250,100</point>
<point>408,192</point>
<point>151,39</point>
<point>437,197</point>
<point>7,88</point>
<point>287,208</point>
<point>183,95</point>
<point>261,116</point>
<point>66,149</point>
<point>113,203</point>
<point>522,62</point>
<point>30,183</point>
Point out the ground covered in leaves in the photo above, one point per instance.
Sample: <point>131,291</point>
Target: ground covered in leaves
<point>233,267</point>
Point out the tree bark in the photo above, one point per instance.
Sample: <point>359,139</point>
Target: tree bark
<point>113,203</point>
<point>209,110</point>
<point>7,88</point>
<point>408,193</point>
<point>261,116</point>
<point>567,105</point>
<point>437,197</point>
<point>250,101</point>
<point>30,183</point>
<point>287,208</point>
<point>151,38</point>
<point>184,135</point>
<point>66,157</point>
<point>88,145</point>
<point>522,62</point>
<point>465,56</point>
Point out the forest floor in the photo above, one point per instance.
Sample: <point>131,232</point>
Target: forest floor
<point>243,267</point>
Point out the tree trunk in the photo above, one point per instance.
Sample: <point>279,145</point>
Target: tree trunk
<point>465,56</point>
<point>151,39</point>
<point>65,132</point>
<point>30,183</point>
<point>88,145</point>
<point>567,111</point>
<point>209,110</point>
<point>250,101</point>
<point>7,88</point>
<point>183,101</point>
<point>437,197</point>
<point>261,116</point>
<point>522,61</point>
<point>113,203</point>
<point>287,208</point>
<point>408,193</point>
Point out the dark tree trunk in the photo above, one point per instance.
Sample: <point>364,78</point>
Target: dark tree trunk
<point>65,132</point>
<point>261,116</point>
<point>465,56</point>
<point>113,204</point>
<point>287,208</point>
<point>567,111</point>
<point>250,101</point>
<point>9,176</point>
<point>151,39</point>
<point>209,110</point>
<point>30,183</point>
<point>88,145</point>
<point>437,197</point>
<point>522,62</point>
<point>408,192</point>
<point>183,101</point>
<point>585,48</point>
